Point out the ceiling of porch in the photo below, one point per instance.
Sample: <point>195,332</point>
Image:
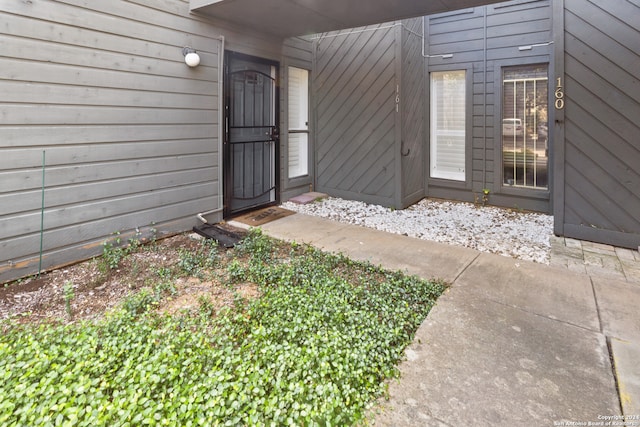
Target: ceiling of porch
<point>287,18</point>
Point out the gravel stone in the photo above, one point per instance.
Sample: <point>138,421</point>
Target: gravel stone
<point>516,234</point>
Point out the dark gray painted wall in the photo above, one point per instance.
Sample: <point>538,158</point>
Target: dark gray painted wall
<point>354,89</point>
<point>596,151</point>
<point>368,91</point>
<point>360,136</point>
<point>413,126</point>
<point>601,193</point>
<point>482,40</point>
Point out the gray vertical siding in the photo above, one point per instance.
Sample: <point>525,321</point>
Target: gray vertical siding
<point>602,150</point>
<point>130,133</point>
<point>354,93</point>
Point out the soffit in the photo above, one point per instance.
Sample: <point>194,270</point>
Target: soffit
<point>288,18</point>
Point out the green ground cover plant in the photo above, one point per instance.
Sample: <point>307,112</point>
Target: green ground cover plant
<point>314,348</point>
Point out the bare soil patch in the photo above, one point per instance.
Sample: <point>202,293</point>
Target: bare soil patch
<point>96,288</point>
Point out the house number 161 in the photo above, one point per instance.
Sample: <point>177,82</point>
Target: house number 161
<point>559,95</point>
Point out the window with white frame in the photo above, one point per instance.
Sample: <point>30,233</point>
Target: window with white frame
<point>298,135</point>
<point>448,125</point>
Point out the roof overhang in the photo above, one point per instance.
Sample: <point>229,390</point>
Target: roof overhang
<point>288,18</point>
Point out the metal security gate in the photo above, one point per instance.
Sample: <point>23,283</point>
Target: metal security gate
<point>525,145</point>
<point>251,133</point>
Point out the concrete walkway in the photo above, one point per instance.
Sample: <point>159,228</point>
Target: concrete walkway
<point>510,343</point>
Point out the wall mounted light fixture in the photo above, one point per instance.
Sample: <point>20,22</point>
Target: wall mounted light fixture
<point>191,57</point>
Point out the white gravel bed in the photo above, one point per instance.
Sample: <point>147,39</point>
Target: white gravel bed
<point>521,235</point>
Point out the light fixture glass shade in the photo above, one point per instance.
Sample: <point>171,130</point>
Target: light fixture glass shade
<point>192,59</point>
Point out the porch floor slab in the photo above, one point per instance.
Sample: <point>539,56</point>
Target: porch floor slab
<point>510,343</point>
<point>595,259</point>
<point>476,362</point>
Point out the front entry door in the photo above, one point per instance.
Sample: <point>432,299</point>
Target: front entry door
<point>251,133</point>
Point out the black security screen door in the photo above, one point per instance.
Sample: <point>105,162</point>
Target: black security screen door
<point>251,129</point>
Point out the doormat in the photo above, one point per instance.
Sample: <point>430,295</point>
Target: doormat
<point>223,236</point>
<point>263,216</point>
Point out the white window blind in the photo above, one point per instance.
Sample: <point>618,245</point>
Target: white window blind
<point>298,146</point>
<point>448,125</point>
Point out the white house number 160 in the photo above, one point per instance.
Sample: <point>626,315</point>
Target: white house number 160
<point>559,95</point>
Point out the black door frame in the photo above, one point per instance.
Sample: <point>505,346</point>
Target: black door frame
<point>227,170</point>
